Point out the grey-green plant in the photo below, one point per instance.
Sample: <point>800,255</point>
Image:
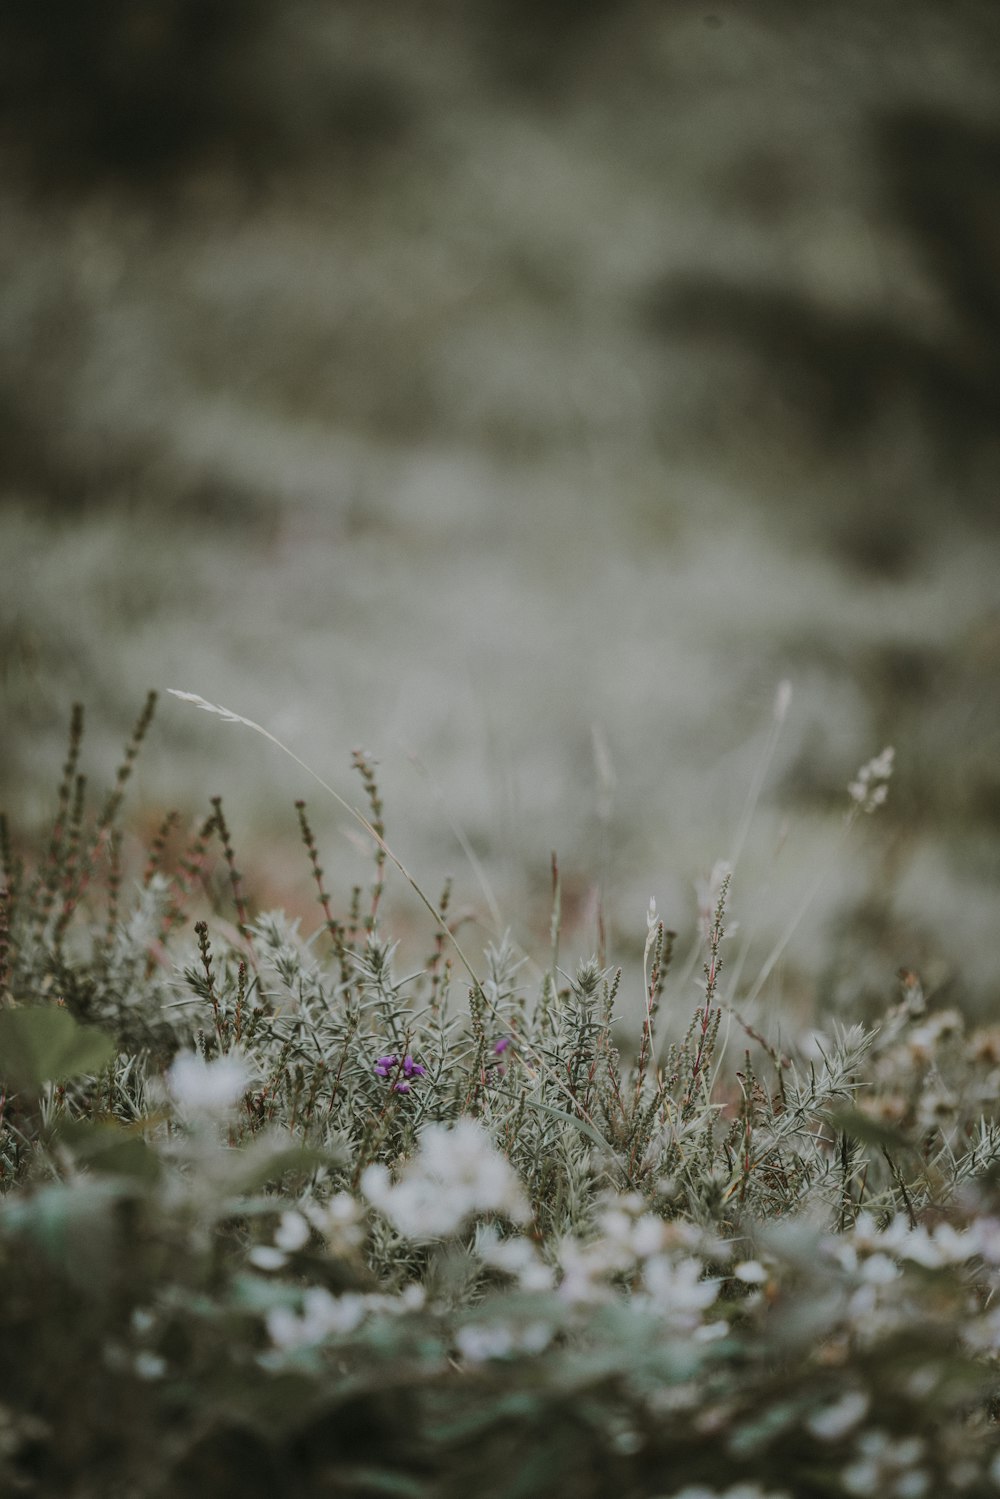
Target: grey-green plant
<point>282,1217</point>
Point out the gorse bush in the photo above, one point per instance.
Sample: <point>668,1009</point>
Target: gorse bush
<point>278,1220</point>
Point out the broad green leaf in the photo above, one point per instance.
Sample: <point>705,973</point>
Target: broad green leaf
<point>110,1149</point>
<point>74,1226</point>
<point>46,1045</point>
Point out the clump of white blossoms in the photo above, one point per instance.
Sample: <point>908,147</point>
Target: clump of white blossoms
<point>662,1259</point>
<point>887,1465</point>
<point>340,1223</point>
<point>207,1089</point>
<point>870,786</point>
<point>323,1316</point>
<point>456,1175</point>
<point>516,1257</point>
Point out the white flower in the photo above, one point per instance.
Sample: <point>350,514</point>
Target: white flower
<point>879,1270</point>
<point>207,1088</point>
<point>149,1365</point>
<point>266,1257</point>
<point>516,1257</point>
<point>870,787</point>
<point>479,1341</point>
<point>484,1340</point>
<point>836,1420</point>
<point>751,1273</point>
<point>457,1174</point>
<point>322,1315</point>
<point>340,1222</point>
<point>292,1232</point>
<point>885,1466</point>
<point>677,1290</point>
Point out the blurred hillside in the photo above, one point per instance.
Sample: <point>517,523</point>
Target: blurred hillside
<point>522,391</point>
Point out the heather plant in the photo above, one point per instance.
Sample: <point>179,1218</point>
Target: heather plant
<point>281,1219</point>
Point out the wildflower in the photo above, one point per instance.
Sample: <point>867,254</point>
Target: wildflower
<point>709,893</point>
<point>870,786</point>
<point>478,1342</point>
<point>322,1316</point>
<point>389,1066</point>
<point>340,1222</point>
<point>499,1047</point>
<point>516,1257</point>
<point>456,1175</point>
<point>885,1466</point>
<point>751,1273</point>
<point>292,1232</point>
<point>267,1257</point>
<point>207,1088</point>
<point>832,1422</point>
<point>677,1290</point>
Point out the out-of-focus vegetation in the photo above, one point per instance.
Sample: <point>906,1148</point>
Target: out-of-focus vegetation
<point>523,391</point>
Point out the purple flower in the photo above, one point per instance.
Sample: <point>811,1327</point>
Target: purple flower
<point>388,1066</point>
<point>501,1046</point>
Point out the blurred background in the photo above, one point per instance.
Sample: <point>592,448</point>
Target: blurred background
<point>522,391</point>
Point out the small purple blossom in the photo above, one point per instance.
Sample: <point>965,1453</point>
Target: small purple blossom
<point>501,1046</point>
<point>388,1066</point>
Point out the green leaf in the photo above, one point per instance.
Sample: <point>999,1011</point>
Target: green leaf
<point>582,1125</point>
<point>110,1149</point>
<point>47,1045</point>
<point>265,1161</point>
<point>73,1226</point>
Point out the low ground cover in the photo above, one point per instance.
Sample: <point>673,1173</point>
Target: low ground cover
<point>280,1217</point>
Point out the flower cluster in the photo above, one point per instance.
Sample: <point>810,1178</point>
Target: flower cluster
<point>870,786</point>
<point>456,1175</point>
<point>404,1071</point>
<point>322,1316</point>
<point>662,1263</point>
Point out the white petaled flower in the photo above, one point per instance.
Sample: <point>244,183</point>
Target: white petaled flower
<point>481,1341</point>
<point>292,1232</point>
<point>836,1420</point>
<point>456,1175</point>
<point>478,1342</point>
<point>676,1289</point>
<point>322,1316</point>
<point>879,1270</point>
<point>885,1465</point>
<point>207,1088</point>
<point>870,786</point>
<point>340,1222</point>
<point>516,1257</point>
<point>943,1245</point>
<point>266,1257</point>
<point>751,1273</point>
